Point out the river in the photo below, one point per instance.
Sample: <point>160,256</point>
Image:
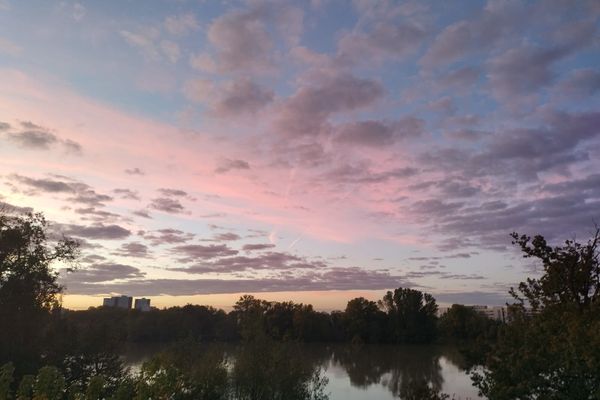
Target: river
<point>370,371</point>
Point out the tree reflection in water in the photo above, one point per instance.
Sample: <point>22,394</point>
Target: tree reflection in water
<point>266,370</point>
<point>401,369</point>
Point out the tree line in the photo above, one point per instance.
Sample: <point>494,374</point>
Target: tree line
<point>402,316</point>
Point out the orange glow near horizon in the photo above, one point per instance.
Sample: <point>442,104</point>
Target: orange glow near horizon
<point>321,300</point>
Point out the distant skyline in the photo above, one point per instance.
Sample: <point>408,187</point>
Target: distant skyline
<point>314,151</point>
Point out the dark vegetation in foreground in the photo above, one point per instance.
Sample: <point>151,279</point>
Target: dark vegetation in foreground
<point>54,354</point>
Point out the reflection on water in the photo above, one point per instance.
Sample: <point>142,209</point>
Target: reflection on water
<point>369,371</point>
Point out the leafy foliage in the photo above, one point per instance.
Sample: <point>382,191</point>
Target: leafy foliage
<point>364,321</point>
<point>555,352</point>
<point>412,315</point>
<point>262,371</point>
<point>28,286</point>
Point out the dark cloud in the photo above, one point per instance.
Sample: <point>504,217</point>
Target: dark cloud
<point>466,134</point>
<point>240,97</point>
<point>134,171</point>
<point>476,277</point>
<point>587,187</point>
<point>98,231</point>
<point>99,273</point>
<point>36,137</point>
<point>431,271</point>
<point>33,139</point>
<point>435,207</point>
<point>265,261</point>
<point>581,82</point>
<point>133,249</point>
<point>457,189</point>
<point>241,41</point>
<point>82,193</point>
<point>307,111</point>
<point>192,252</point>
<point>361,174</point>
<point>459,255</point>
<point>127,194</point>
<point>522,70</point>
<point>543,148</point>
<point>45,185</point>
<point>379,133</point>
<point>257,246</point>
<point>226,165</point>
<point>94,214</point>
<point>521,154</point>
<point>92,259</point>
<point>167,236</point>
<point>167,204</point>
<point>228,236</point>
<point>142,213</point>
<point>555,217</point>
<point>385,40</point>
<point>334,279</point>
<point>257,233</point>
<point>173,192</point>
<point>30,125</point>
<point>498,20</point>
<point>72,146</point>
<point>90,197</point>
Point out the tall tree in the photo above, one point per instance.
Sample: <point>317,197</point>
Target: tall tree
<point>412,315</point>
<point>28,285</point>
<point>571,273</point>
<point>364,321</point>
<point>553,352</point>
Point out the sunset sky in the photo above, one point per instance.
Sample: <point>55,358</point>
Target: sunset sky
<point>313,151</point>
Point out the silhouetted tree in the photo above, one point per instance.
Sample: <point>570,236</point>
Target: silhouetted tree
<point>28,286</point>
<point>571,273</point>
<point>412,315</point>
<point>555,352</point>
<point>473,332</point>
<point>364,321</point>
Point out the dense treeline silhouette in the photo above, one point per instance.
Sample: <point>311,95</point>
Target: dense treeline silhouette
<point>403,316</point>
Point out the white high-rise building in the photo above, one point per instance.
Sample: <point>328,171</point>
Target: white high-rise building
<point>118,301</point>
<point>142,304</point>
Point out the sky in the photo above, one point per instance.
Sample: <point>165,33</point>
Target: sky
<point>314,151</point>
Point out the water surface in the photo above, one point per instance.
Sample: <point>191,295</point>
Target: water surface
<point>369,371</point>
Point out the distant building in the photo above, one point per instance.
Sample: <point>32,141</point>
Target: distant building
<point>142,304</point>
<point>497,313</point>
<point>108,302</point>
<point>118,302</point>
